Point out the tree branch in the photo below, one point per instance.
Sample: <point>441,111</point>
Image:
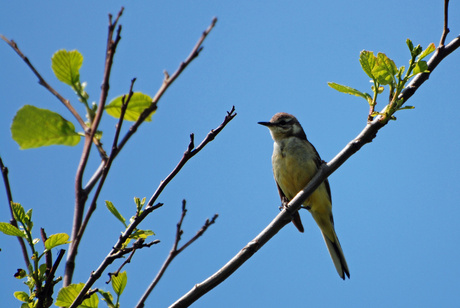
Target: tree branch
<point>81,195</point>
<point>284,217</point>
<point>174,251</point>
<point>446,28</point>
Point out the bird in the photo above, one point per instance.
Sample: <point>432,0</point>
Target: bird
<point>295,161</point>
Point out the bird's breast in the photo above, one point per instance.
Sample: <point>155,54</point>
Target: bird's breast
<point>294,164</point>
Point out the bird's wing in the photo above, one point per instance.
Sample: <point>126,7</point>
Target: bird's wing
<point>295,216</point>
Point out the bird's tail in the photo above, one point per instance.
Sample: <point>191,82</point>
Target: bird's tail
<point>335,250</point>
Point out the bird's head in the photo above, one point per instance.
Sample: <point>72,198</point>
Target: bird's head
<point>284,125</point>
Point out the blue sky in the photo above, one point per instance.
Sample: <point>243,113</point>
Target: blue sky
<point>395,202</point>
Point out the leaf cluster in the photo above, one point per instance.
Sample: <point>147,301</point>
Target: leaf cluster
<point>383,72</point>
<point>34,127</point>
<point>37,273</point>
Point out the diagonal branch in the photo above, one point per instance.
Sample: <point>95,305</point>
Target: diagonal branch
<point>175,251</point>
<point>284,217</point>
<point>192,151</point>
<point>43,82</point>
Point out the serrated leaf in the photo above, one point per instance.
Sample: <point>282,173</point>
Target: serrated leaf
<point>429,49</point>
<point>138,103</point>
<point>420,67</point>
<point>35,127</point>
<point>384,70</point>
<point>348,90</point>
<point>18,212</point>
<point>367,60</point>
<point>66,66</point>
<point>56,239</point>
<point>67,295</point>
<point>119,282</point>
<point>115,212</point>
<point>9,229</point>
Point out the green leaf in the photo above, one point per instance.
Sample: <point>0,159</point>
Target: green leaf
<point>20,273</point>
<point>115,212</point>
<point>367,60</point>
<point>56,240</point>
<point>67,295</point>
<point>139,204</point>
<point>348,90</point>
<point>427,51</point>
<point>9,229</point>
<point>119,282</point>
<point>410,45</point>
<point>35,127</point>
<point>22,296</point>
<point>66,66</point>
<point>108,298</point>
<point>138,103</point>
<point>18,212</point>
<point>141,234</point>
<point>420,67</point>
<point>384,70</point>
<point>406,107</point>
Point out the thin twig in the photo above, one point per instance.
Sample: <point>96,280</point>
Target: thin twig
<point>284,217</point>
<point>191,151</point>
<point>13,221</point>
<point>42,82</point>
<point>48,254</point>
<point>175,251</point>
<point>81,195</point>
<point>137,245</point>
<point>446,27</point>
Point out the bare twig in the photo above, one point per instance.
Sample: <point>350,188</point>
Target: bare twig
<point>191,151</point>
<point>175,251</point>
<point>42,82</point>
<point>81,195</point>
<point>284,217</point>
<point>446,27</point>
<point>48,254</point>
<point>13,221</point>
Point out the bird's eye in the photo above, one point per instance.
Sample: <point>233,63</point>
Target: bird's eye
<point>283,122</point>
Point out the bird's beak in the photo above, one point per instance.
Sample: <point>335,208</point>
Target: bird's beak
<point>268,124</point>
